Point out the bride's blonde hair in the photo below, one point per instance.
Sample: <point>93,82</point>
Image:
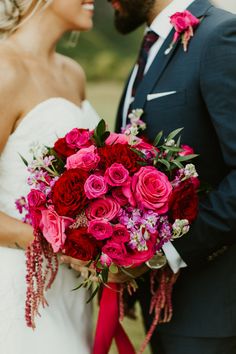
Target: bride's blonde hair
<point>12,13</point>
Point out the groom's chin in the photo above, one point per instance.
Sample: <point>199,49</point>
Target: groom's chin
<point>125,25</point>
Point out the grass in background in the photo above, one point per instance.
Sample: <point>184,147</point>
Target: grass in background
<point>105,97</point>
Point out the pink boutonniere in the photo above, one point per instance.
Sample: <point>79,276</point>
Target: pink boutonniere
<point>184,24</point>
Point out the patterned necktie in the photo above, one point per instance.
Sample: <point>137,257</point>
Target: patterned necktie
<point>149,39</point>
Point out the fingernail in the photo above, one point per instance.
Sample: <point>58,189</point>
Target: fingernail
<point>62,260</point>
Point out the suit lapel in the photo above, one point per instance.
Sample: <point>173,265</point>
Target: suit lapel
<point>198,8</point>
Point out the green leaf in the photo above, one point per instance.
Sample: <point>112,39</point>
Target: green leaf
<point>101,128</point>
<point>93,294</point>
<point>78,287</point>
<point>24,160</point>
<point>172,148</point>
<point>178,142</point>
<point>139,153</point>
<point>173,134</point>
<point>177,163</point>
<point>105,136</point>
<point>187,157</point>
<point>113,269</point>
<point>158,138</point>
<point>104,274</point>
<point>165,163</point>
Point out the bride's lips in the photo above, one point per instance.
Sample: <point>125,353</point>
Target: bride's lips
<point>88,5</point>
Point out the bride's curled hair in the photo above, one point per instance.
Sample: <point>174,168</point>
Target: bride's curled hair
<point>12,12</point>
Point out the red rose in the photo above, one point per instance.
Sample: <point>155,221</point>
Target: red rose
<point>63,149</point>
<point>81,245</point>
<point>68,195</point>
<point>119,153</point>
<point>183,203</point>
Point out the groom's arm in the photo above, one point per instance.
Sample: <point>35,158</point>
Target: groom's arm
<point>215,227</point>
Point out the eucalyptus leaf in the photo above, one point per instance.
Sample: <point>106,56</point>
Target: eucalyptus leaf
<point>113,269</point>
<point>187,157</point>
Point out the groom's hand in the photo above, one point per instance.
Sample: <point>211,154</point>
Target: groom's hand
<point>129,274</point>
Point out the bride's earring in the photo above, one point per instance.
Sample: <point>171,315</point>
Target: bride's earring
<point>73,39</point>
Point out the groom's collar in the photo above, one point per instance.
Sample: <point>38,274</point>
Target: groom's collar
<point>161,24</point>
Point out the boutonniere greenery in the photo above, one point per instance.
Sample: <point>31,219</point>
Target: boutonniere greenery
<point>184,24</point>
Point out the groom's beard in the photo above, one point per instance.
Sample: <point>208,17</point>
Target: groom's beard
<point>133,14</point>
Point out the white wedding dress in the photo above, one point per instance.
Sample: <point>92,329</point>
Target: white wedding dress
<point>65,326</point>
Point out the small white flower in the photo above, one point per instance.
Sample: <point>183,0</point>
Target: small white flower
<point>180,228</point>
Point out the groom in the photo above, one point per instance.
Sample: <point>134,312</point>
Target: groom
<point>194,89</point>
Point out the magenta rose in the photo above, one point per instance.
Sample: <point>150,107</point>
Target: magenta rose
<point>186,150</point>
<point>183,20</point>
<point>53,228</point>
<point>120,233</point>
<point>136,258</point>
<point>95,186</point>
<point>151,189</point>
<point>115,138</point>
<point>100,229</point>
<point>116,175</point>
<point>103,209</point>
<point>78,138</point>
<point>86,159</point>
<point>37,203</point>
<point>116,252</point>
<point>118,195</point>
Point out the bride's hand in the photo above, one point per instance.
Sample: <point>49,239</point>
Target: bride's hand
<point>79,266</point>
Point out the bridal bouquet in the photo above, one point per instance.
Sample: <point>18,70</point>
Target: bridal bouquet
<point>111,200</point>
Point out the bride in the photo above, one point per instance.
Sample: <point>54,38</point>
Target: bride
<point>42,96</point>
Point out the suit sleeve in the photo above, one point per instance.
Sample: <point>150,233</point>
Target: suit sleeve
<point>215,226</point>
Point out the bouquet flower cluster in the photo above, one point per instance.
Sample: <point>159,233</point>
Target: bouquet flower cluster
<point>109,199</point>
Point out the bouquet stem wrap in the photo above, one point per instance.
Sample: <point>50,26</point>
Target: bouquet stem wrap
<point>108,324</point>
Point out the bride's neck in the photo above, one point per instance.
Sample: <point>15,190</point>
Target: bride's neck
<point>39,35</point>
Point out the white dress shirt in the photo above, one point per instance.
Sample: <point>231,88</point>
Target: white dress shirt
<point>161,26</point>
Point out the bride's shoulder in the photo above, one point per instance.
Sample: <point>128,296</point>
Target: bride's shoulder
<point>74,71</point>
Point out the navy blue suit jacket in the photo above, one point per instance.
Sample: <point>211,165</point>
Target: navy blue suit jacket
<point>204,79</point>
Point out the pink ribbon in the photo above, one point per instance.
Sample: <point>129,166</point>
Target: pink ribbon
<point>108,324</point>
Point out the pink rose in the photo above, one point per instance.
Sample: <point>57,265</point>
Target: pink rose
<point>151,189</point>
<point>78,138</point>
<point>187,150</point>
<point>103,209</point>
<point>120,233</point>
<point>86,159</point>
<point>183,20</point>
<point>118,195</point>
<point>116,175</point>
<point>116,252</point>
<point>95,187</point>
<point>53,228</point>
<point>105,260</point>
<point>128,193</point>
<point>115,138</point>
<point>100,229</point>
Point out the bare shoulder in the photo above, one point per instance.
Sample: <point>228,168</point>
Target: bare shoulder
<point>76,73</point>
<point>12,76</point>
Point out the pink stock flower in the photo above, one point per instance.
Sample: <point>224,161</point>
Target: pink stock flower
<point>78,138</point>
<point>120,233</point>
<point>100,229</point>
<point>116,175</point>
<point>105,260</point>
<point>103,209</point>
<point>115,138</point>
<point>136,258</point>
<point>95,187</point>
<point>118,195</point>
<point>187,150</point>
<point>53,228</point>
<point>86,159</point>
<point>151,189</point>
